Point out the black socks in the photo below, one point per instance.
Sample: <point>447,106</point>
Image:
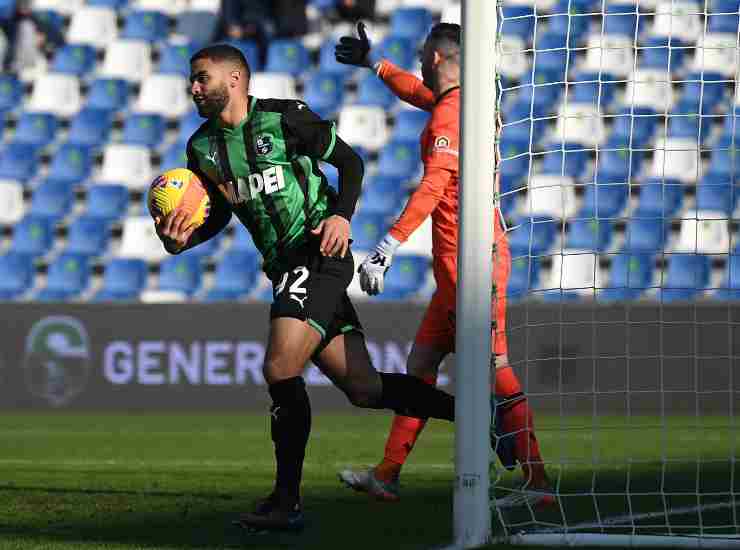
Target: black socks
<point>410,396</point>
<point>291,425</point>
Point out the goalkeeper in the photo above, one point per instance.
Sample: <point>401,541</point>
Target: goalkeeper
<point>437,195</point>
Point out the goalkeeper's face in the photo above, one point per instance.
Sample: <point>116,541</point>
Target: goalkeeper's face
<point>209,87</point>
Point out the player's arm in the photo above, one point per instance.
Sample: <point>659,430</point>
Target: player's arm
<point>422,202</point>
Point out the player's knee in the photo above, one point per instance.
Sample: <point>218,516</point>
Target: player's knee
<point>277,368</point>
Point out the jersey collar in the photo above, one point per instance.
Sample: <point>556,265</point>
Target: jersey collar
<point>446,93</point>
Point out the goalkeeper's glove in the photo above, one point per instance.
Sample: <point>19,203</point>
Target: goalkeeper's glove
<point>355,51</point>
<point>373,269</point>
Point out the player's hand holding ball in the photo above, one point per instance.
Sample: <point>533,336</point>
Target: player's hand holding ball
<point>372,271</point>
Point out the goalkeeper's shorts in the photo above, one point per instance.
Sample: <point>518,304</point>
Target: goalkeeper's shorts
<point>437,328</point>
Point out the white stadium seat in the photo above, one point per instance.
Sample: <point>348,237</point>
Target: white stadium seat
<point>205,5</point>
<point>56,93</point>
<point>650,88</point>
<point>169,7</point>
<point>162,297</point>
<point>451,14</point>
<point>11,202</point>
<point>551,195</point>
<point>717,53</point>
<point>512,61</point>
<point>575,271</point>
<point>679,19</point>
<point>165,94</point>
<point>386,7</point>
<point>65,7</point>
<point>127,59</point>
<point>420,241</point>
<point>364,126</point>
<point>140,240</point>
<point>274,85</point>
<point>580,123</point>
<point>93,25</point>
<point>704,232</point>
<point>610,53</point>
<point>676,158</point>
<point>130,165</point>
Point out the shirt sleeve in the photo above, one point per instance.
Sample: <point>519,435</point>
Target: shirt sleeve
<point>309,134</point>
<point>406,86</point>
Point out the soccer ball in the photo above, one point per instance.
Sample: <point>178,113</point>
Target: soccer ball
<point>179,188</point>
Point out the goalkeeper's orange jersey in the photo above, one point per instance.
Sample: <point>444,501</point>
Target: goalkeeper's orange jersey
<point>437,193</point>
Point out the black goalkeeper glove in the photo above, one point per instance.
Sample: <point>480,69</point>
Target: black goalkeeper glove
<point>354,51</point>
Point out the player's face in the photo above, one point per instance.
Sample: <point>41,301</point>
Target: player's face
<point>208,85</point>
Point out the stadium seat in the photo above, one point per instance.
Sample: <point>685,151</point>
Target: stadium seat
<point>730,289</point>
<point>620,18</point>
<point>189,123</point>
<point>628,278</point>
<point>52,200</point>
<point>650,88</point>
<point>405,278</point>
<point>411,23</point>
<point>701,90</point>
<point>368,229</point>
<point>678,19</point>
<point>567,159</point>
<point>645,235</point>
<point>606,198</point>
<point>609,53</point>
<point>328,62</point>
<point>67,277</point>
<point>589,234</point>
<point>730,136</point>
<point>175,59</point>
<point>552,57</point>
<point>521,124</point>
<point>533,236</point>
<point>236,275</point>
<point>149,26</point>
<point>704,232</point>
<point>109,94</point>
<point>633,127</point>
<point>682,125</point>
<point>515,163</point>
<point>251,52</point>
<point>93,25</point>
<point>143,129</point>
<point>71,164</point>
<point>242,240</point>
<point>716,193</point>
<point>32,236</point>
<point>74,59</point>
<point>398,50</point>
<point>64,7</point>
<point>592,88</point>
<point>722,162</point>
<point>513,60</point>
<point>123,279</point>
<point>87,236</point>
<point>725,23</point>
<point>409,124</point>
<point>115,4</point>
<point>663,53</point>
<point>152,296</point>
<point>164,94</point>
<point>180,273</point>
<point>168,7</point>
<point>127,164</point>
<point>128,60</point>
<point>567,18</point>
<point>197,26</point>
<point>399,159</point>
<point>551,195</point>
<point>580,123</point>
<point>373,91</point>
<point>55,93</point>
<point>206,249</point>
<point>287,56</point>
<point>615,158</point>
<point>18,161</point>
<point>323,91</point>
<point>140,240</point>
<point>382,194</point>
<point>107,202</point>
<point>36,129</point>
<point>12,207</point>
<point>574,274</point>
<point>687,275</point>
<point>11,92</point>
<point>676,158</point>
<point>90,127</point>
<point>174,156</point>
<point>274,85</point>
<point>659,198</point>
<point>363,125</point>
<point>524,277</point>
<point>16,275</point>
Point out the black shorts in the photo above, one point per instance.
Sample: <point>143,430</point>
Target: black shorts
<point>316,292</point>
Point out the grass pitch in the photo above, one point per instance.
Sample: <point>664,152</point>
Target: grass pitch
<point>139,481</point>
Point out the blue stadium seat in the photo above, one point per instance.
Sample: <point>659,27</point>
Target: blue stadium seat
<point>242,240</point>
<point>251,52</point>
<point>198,25</point>
<point>659,198</point>
<point>110,94</point>
<point>524,277</point>
<point>76,59</point>
<point>405,278</point>
<point>620,19</point>
<point>730,289</point>
<point>519,124</point>
<point>645,235</point>
<point>629,276</point>
<point>18,161</point>
<point>614,159</point>
<point>123,280</point>
<point>730,136</point>
<point>399,159</point>
<point>633,128</point>
<point>287,56</point>
<point>723,162</point>
<point>116,4</point>
<point>16,275</point>
<point>398,50</point>
<point>36,129</point>
<point>568,159</point>
<point>67,277</point>
<point>208,248</point>
<point>717,193</point>
<point>236,275</point>
<point>587,87</point>
<point>412,23</point>
<point>367,230</point>
<point>372,91</point>
<point>90,127</point>
<point>87,236</point>
<point>532,236</point>
<point>180,273</point>
<point>174,156</point>
<point>409,124</point>
<point>188,125</point>
<point>383,194</point>
<point>328,62</point>
<point>144,129</point>
<point>514,168</point>
<point>707,89</point>
<point>606,198</point>
<point>552,58</point>
<point>687,276</point>
<point>32,236</point>
<point>150,26</point>
<point>662,52</point>
<point>52,200</point>
<point>518,21</point>
<point>565,20</point>
<point>107,202</point>
<point>722,6</point>
<point>7,9</point>
<point>71,164</point>
<point>175,58</point>
<point>682,125</point>
<point>589,234</point>
<point>539,93</point>
<point>11,92</point>
<point>323,5</point>
<point>726,23</point>
<point>323,92</point>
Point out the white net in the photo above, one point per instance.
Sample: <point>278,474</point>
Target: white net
<point>618,186</point>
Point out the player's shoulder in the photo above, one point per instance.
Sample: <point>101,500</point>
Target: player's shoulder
<point>201,133</point>
<point>446,114</point>
<point>283,106</point>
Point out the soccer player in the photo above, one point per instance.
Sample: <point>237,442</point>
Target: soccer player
<point>258,159</point>
<point>437,195</point>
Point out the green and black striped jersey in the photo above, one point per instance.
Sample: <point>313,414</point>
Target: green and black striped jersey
<point>267,169</point>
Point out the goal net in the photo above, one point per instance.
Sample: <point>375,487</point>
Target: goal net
<point>619,192</point>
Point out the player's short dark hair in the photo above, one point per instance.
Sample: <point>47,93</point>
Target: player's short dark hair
<point>442,33</point>
<point>223,52</point>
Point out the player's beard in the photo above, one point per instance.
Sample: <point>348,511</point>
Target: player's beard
<point>213,102</point>
<point>427,75</point>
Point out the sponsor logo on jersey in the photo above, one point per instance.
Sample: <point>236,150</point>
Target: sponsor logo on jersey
<point>442,145</point>
<point>268,182</point>
<point>442,141</point>
<point>263,145</point>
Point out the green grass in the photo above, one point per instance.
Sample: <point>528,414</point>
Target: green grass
<point>176,481</point>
